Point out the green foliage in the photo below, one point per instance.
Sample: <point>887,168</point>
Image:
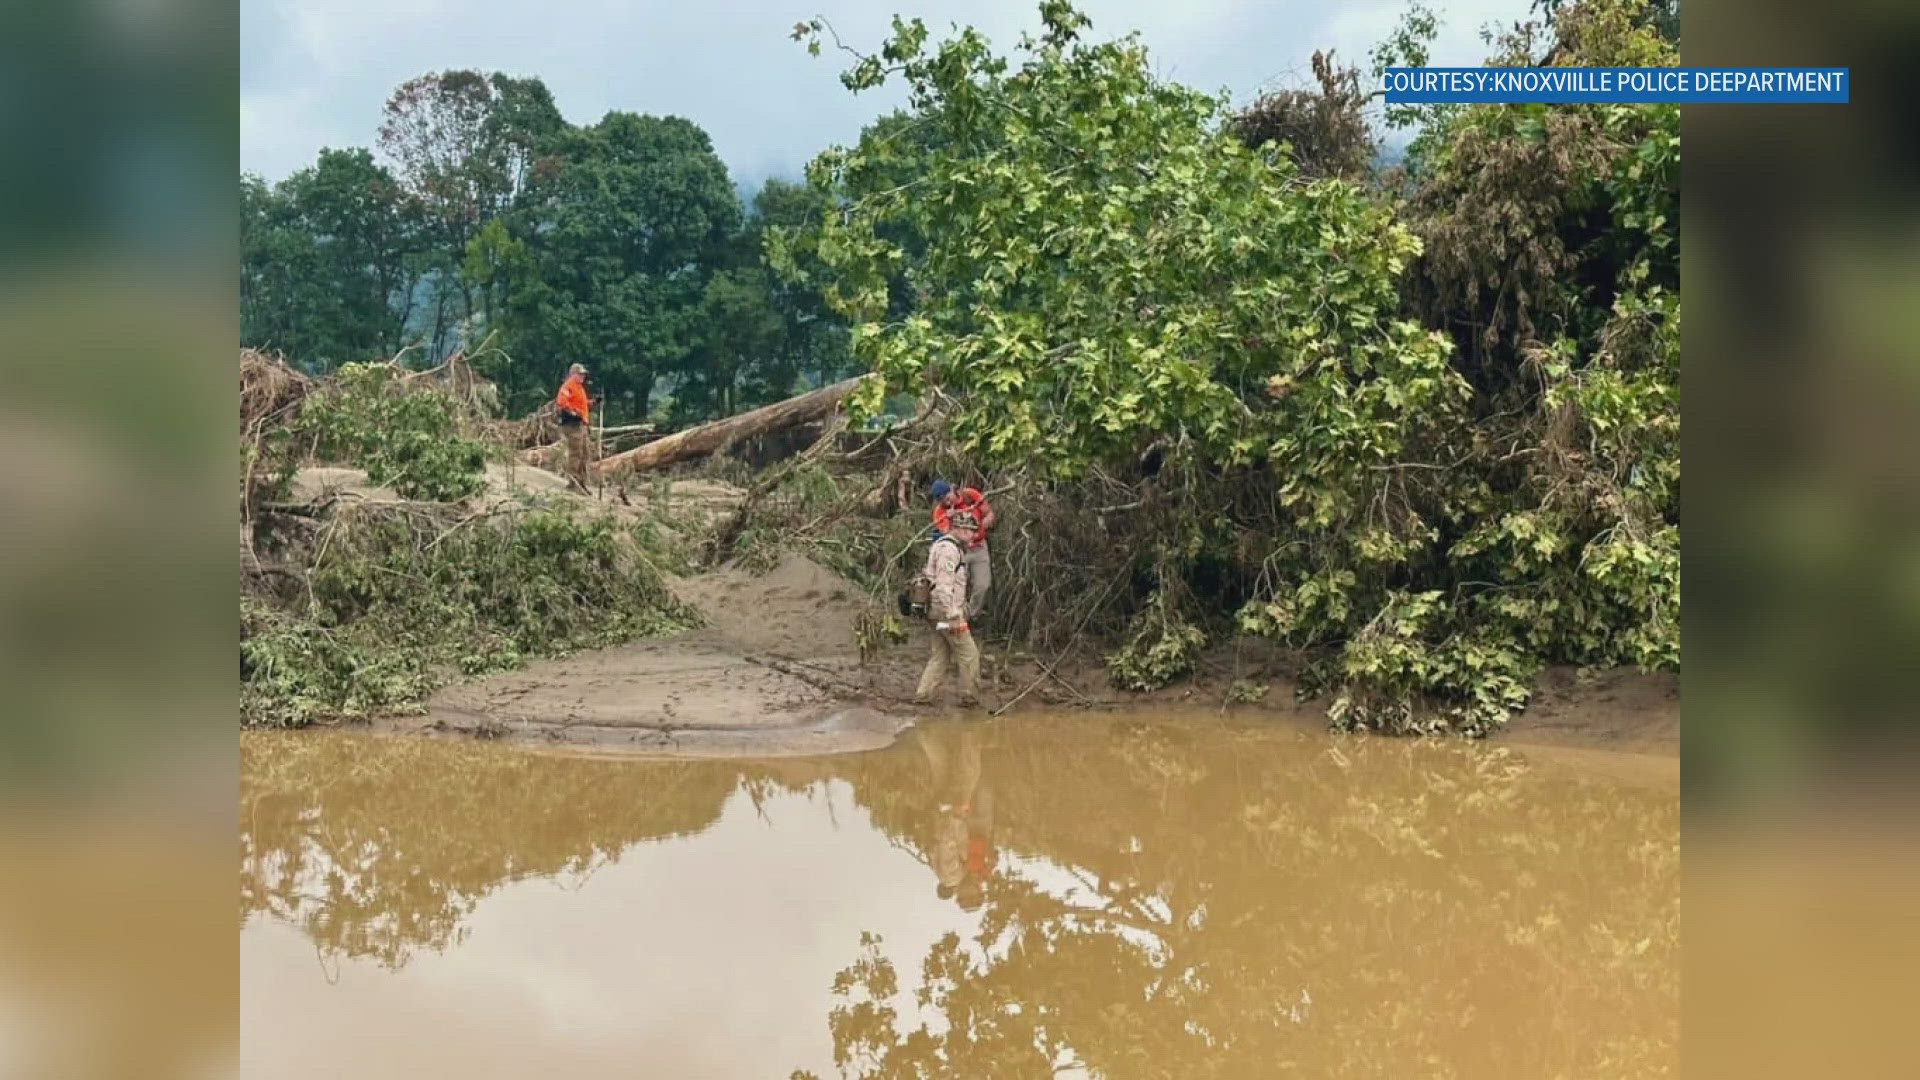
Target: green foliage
<point>813,342</point>
<point>606,258</point>
<point>1431,431</point>
<point>737,362</point>
<point>295,672</point>
<point>1550,246</point>
<point>1408,45</point>
<point>408,439</point>
<point>329,260</point>
<point>395,601</point>
<point>1161,649</point>
<point>1392,667</point>
<point>1245,692</point>
<point>1102,265</point>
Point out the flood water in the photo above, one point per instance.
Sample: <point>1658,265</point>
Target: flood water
<point>1073,897</point>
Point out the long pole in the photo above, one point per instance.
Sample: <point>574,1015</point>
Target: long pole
<point>600,449</point>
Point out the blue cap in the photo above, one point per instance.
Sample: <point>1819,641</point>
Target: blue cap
<point>939,489</point>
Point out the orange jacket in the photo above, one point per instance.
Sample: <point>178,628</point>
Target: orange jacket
<point>573,395</point>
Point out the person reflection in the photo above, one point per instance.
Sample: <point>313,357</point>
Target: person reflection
<point>961,800</point>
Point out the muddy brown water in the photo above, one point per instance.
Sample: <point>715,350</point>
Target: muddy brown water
<point>1115,897</point>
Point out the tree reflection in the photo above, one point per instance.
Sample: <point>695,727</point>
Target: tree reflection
<point>1192,908</point>
<point>378,847</point>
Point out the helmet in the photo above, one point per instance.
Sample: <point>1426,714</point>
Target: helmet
<point>940,490</point>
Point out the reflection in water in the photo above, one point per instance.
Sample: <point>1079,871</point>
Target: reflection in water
<point>379,847</point>
<point>985,899</point>
<point>962,809</point>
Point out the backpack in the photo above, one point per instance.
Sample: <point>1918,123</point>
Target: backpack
<point>918,595</point>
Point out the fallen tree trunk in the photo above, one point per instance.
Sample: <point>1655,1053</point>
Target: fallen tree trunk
<point>720,434</point>
<point>553,456</point>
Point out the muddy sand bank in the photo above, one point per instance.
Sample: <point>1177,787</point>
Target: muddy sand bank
<point>775,673</point>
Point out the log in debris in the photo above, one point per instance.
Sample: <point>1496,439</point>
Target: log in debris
<point>553,456</point>
<point>720,434</point>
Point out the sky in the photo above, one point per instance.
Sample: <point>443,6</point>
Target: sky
<point>315,73</point>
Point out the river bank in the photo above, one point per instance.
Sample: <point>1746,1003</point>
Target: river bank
<point>776,671</point>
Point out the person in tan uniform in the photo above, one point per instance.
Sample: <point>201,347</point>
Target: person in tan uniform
<point>573,407</point>
<point>947,610</point>
<point>962,851</point>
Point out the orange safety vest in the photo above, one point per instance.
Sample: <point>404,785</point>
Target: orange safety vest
<point>970,500</point>
<point>573,396</point>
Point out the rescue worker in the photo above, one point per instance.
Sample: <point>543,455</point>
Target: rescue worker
<point>947,499</point>
<point>947,610</point>
<point>962,853</point>
<point>574,408</point>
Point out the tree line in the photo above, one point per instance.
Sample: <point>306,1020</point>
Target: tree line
<point>621,244</point>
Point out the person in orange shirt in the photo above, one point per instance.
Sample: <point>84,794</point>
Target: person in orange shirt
<point>574,409</point>
<point>946,500</point>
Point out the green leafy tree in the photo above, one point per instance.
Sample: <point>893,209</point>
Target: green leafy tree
<point>609,256</point>
<point>1104,266</point>
<point>466,146</point>
<point>1107,268</point>
<point>329,260</point>
<point>814,336</point>
<point>739,359</point>
<point>271,256</point>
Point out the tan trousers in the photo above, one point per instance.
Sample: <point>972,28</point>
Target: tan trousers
<point>579,451</point>
<point>979,578</point>
<point>957,646</point>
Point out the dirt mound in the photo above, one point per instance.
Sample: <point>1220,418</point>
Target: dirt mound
<point>504,485</point>
<point>319,482</point>
<point>799,608</point>
<point>508,478</point>
<point>718,689</point>
<point>522,483</point>
<point>700,502</point>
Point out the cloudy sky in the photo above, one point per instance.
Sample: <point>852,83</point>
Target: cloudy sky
<point>314,73</point>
